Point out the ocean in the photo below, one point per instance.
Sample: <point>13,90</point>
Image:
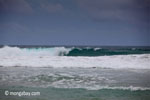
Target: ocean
<point>74,73</point>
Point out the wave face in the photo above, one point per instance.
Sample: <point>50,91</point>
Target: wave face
<point>55,57</point>
<point>103,52</point>
<point>69,51</point>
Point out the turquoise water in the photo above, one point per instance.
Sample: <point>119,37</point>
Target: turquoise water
<point>95,51</point>
<point>75,83</point>
<point>103,52</point>
<point>76,94</point>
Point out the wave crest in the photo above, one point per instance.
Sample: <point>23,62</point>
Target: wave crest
<point>53,57</point>
<point>16,51</point>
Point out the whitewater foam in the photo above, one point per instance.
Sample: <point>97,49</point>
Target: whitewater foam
<point>14,56</point>
<point>131,88</point>
<point>15,51</point>
<point>120,88</point>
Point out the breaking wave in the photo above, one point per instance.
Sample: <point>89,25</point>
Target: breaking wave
<point>53,57</point>
<point>68,51</point>
<point>16,51</point>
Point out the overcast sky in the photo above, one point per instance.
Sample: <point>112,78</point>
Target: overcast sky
<point>75,22</point>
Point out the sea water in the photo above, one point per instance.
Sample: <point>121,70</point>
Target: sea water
<point>75,73</point>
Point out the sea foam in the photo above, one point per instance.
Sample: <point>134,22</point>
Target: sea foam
<point>16,51</point>
<point>14,56</point>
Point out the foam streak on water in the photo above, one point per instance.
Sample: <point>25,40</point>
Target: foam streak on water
<point>118,61</point>
<point>87,78</point>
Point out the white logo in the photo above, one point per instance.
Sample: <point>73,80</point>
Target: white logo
<point>6,93</point>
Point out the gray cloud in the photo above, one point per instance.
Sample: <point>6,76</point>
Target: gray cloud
<point>13,27</point>
<point>27,7</point>
<point>52,8</point>
<point>122,10</point>
<point>75,20</point>
<point>15,6</point>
